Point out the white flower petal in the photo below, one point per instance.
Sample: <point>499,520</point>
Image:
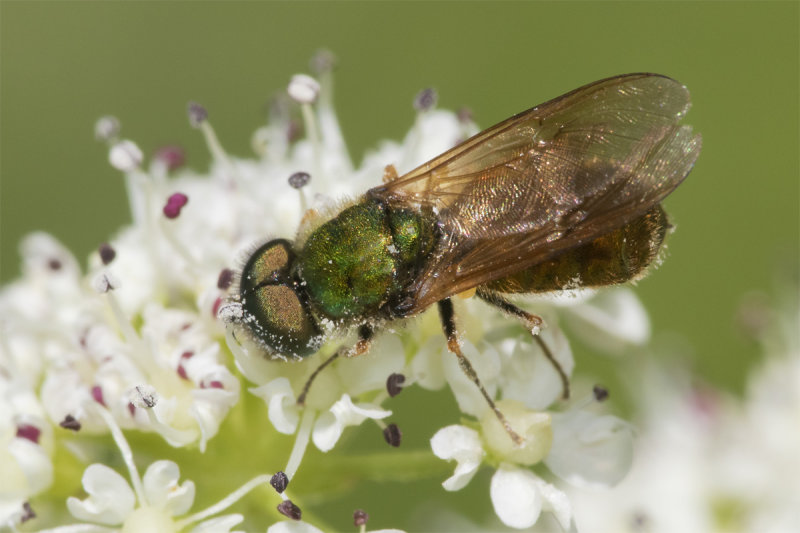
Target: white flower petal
<point>293,527</point>
<point>351,414</point>
<point>486,363</point>
<point>369,371</point>
<point>557,502</point>
<point>534,427</point>
<point>110,499</point>
<point>611,320</point>
<point>590,450</point>
<point>218,524</point>
<point>529,377</point>
<point>32,461</point>
<point>281,404</point>
<point>327,431</point>
<point>162,490</point>
<point>515,496</point>
<point>329,426</point>
<point>462,444</point>
<point>426,367</point>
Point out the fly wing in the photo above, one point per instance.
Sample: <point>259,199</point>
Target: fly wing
<point>546,180</point>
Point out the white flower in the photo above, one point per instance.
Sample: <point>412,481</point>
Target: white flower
<point>136,341</point>
<point>609,320</point>
<point>707,461</point>
<point>518,495</point>
<point>152,503</point>
<point>26,444</point>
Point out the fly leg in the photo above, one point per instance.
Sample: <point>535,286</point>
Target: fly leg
<point>360,347</point>
<point>447,317</point>
<point>532,323</point>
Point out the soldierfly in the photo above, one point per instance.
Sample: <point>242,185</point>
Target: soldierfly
<point>562,196</point>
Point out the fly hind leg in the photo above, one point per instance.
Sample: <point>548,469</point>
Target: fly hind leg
<point>532,323</point>
<point>447,316</point>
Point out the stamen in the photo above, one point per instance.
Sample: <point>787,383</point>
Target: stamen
<point>279,482</point>
<point>170,157</point>
<point>175,437</point>
<point>176,201</point>
<point>198,118</point>
<point>600,393</point>
<point>105,283</point>
<point>288,509</point>
<point>70,423</point>
<point>29,432</point>
<point>301,442</point>
<point>394,384</point>
<point>125,156</point>
<point>125,450</point>
<point>107,129</point>
<point>298,181</point>
<point>107,253</point>
<point>224,503</point>
<point>172,210</point>
<point>304,90</point>
<point>323,62</point>
<point>393,435</point>
<point>27,513</point>
<point>225,279</point>
<point>360,518</point>
<point>426,99</point>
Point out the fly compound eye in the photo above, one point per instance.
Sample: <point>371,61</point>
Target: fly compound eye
<point>275,313</point>
<point>268,264</point>
<point>281,321</point>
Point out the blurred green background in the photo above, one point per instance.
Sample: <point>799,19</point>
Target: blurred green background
<point>66,63</point>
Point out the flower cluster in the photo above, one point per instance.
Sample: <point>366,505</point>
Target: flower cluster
<point>143,341</point>
<point>709,461</point>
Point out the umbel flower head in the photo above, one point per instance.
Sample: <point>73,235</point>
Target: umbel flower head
<point>143,341</point>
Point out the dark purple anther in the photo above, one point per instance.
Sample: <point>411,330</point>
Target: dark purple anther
<point>174,205</point>
<point>322,61</point>
<point>298,180</point>
<point>215,307</point>
<point>394,384</point>
<point>225,279</point>
<point>425,99</point>
<point>197,114</point>
<point>360,517</point>
<point>27,513</point>
<point>107,253</point>
<point>181,369</point>
<point>172,156</point>
<point>464,115</point>
<point>600,393</point>
<point>393,435</point>
<point>279,481</point>
<point>27,431</point>
<point>290,510</point>
<point>97,394</point>
<point>71,423</point>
